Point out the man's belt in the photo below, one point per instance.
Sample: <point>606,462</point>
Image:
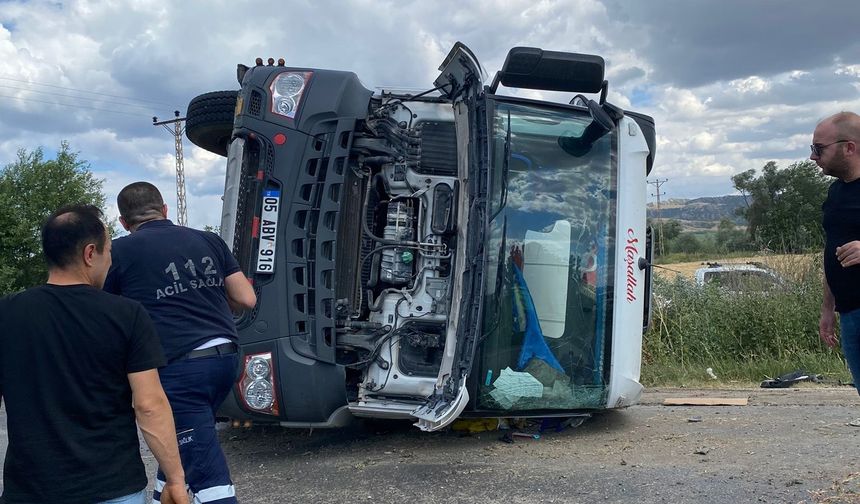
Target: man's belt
<point>222,349</point>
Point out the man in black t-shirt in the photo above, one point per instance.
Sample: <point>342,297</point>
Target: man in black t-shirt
<point>187,280</point>
<point>77,367</point>
<point>835,149</point>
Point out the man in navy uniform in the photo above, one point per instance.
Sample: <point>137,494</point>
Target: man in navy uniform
<point>188,280</point>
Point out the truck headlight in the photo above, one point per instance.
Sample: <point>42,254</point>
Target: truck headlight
<point>257,368</point>
<point>289,84</point>
<point>257,387</point>
<point>285,105</point>
<point>287,90</point>
<point>259,394</point>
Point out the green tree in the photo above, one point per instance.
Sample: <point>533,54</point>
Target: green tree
<point>31,188</point>
<point>729,238</point>
<point>671,229</point>
<point>784,205</point>
<point>687,243</point>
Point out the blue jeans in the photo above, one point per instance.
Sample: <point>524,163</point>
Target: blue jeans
<point>849,324</point>
<point>195,389</point>
<point>135,498</point>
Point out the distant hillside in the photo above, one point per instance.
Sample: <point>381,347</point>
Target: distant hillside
<point>700,213</point>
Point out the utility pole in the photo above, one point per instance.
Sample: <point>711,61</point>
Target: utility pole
<point>657,183</point>
<point>177,130</point>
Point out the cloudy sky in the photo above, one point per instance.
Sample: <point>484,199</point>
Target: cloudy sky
<point>732,84</point>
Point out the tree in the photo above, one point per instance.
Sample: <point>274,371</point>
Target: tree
<point>686,243</point>
<point>784,205</point>
<point>671,229</point>
<point>31,188</point>
<point>729,238</point>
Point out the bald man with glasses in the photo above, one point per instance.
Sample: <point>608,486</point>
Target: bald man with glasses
<point>834,149</point>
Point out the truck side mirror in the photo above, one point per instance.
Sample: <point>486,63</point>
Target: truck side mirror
<point>601,124</point>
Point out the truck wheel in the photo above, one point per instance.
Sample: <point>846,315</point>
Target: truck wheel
<point>209,120</point>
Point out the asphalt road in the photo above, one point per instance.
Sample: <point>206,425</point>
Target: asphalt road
<point>785,446</point>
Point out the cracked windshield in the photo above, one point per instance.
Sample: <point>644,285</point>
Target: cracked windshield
<point>546,322</point>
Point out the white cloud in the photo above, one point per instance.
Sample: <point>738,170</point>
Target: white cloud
<point>752,84</point>
<point>94,73</point>
<point>851,70</point>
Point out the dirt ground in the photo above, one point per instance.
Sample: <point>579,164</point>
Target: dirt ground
<point>785,446</point>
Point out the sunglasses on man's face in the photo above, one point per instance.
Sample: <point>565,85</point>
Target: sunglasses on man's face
<point>816,148</point>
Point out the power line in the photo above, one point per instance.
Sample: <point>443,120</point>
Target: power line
<point>33,83</point>
<point>72,106</point>
<point>97,100</point>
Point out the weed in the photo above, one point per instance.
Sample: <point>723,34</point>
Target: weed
<point>742,336</point>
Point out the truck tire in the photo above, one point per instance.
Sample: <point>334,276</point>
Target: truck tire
<point>209,120</point>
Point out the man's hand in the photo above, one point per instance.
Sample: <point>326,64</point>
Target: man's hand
<point>826,328</point>
<point>848,254</point>
<point>174,493</point>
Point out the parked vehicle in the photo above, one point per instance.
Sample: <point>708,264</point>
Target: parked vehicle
<point>737,277</point>
<point>437,254</point>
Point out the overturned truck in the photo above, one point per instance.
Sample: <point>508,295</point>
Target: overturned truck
<point>437,254</point>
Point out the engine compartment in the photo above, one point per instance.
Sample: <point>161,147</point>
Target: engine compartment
<point>395,255</point>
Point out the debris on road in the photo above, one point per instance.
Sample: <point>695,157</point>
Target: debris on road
<point>790,379</point>
<point>705,401</point>
<point>475,425</point>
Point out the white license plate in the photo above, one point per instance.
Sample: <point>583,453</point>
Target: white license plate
<point>268,231</point>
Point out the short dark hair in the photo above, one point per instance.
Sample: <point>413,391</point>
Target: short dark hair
<point>68,230</point>
<point>139,202</point>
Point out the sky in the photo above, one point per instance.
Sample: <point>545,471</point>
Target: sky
<point>732,84</point>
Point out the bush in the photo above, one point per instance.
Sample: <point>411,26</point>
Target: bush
<point>741,336</point>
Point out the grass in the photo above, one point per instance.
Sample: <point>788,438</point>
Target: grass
<point>681,257</point>
<point>743,337</point>
<point>743,374</point>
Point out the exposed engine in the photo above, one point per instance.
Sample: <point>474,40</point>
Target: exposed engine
<point>395,269</point>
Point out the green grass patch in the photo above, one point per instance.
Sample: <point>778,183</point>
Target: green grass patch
<point>744,337</point>
<point>705,255</point>
<point>749,373</point>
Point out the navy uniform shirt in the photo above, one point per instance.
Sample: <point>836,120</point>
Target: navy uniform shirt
<point>842,225</point>
<point>177,274</point>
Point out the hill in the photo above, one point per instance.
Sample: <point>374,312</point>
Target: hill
<point>700,214</point>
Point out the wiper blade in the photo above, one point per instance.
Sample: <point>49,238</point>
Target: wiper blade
<point>506,162</point>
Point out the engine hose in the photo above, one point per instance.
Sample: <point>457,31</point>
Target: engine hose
<point>398,130</point>
<point>384,247</point>
<point>376,305</point>
<point>377,160</point>
<point>399,137</point>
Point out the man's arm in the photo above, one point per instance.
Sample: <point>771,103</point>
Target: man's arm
<point>240,292</point>
<point>827,322</point>
<point>155,420</point>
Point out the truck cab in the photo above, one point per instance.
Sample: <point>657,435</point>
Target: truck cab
<point>430,255</point>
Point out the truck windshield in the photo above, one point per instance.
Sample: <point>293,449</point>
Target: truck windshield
<point>547,308</point>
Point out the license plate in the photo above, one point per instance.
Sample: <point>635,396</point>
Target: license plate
<point>268,231</point>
